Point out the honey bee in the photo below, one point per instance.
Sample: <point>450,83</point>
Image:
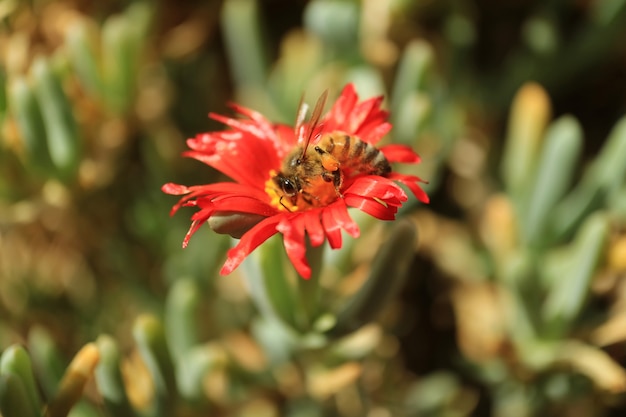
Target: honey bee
<point>316,173</point>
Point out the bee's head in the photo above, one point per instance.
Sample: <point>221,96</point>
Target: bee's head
<point>289,185</point>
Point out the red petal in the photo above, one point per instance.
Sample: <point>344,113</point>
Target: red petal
<point>374,133</point>
<point>175,189</point>
<point>195,225</point>
<point>314,227</point>
<point>337,117</point>
<point>249,242</point>
<point>332,229</point>
<point>210,191</point>
<point>372,207</point>
<point>256,125</point>
<point>247,160</point>
<point>371,186</point>
<point>411,182</point>
<point>362,112</point>
<point>292,229</point>
<point>400,153</point>
<point>238,204</point>
<point>340,213</point>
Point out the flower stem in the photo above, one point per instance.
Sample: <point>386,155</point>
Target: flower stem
<point>309,289</point>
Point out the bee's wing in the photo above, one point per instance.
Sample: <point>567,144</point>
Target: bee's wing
<point>303,109</point>
<point>315,118</point>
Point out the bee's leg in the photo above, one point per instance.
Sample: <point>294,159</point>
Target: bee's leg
<point>308,197</point>
<point>329,162</point>
<point>336,177</point>
<point>338,182</point>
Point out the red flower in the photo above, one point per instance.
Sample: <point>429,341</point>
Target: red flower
<point>252,153</point>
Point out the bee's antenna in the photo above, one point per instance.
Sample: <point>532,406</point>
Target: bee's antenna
<point>283,204</point>
<point>315,118</point>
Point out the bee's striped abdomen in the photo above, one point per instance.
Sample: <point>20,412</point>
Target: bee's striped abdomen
<point>355,156</point>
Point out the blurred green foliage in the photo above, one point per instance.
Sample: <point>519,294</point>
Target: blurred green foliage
<point>504,297</point>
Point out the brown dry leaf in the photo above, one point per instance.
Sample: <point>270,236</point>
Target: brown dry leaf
<point>616,256</point>
<point>612,331</point>
<point>480,327</point>
<point>607,374</point>
<point>450,245</point>
<point>188,37</point>
<point>259,407</point>
<point>289,380</point>
<point>498,227</point>
<point>245,351</point>
<point>216,386</point>
<point>322,384</point>
<point>138,381</point>
<point>71,387</point>
<point>361,342</point>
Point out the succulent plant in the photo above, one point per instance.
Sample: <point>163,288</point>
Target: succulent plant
<point>502,297</point>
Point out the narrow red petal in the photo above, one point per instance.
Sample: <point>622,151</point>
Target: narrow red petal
<point>258,127</point>
<point>374,132</point>
<point>375,186</point>
<point>400,153</point>
<point>337,117</point>
<point>175,189</point>
<point>292,229</point>
<point>411,182</point>
<point>247,160</point>
<point>332,229</point>
<point>361,112</point>
<point>314,227</point>
<point>372,207</point>
<point>249,242</point>
<point>238,204</point>
<point>195,225</point>
<point>264,125</point>
<point>340,213</point>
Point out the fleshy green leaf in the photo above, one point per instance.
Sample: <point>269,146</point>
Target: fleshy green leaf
<point>150,338</point>
<point>30,122</point>
<point>15,360</point>
<point>529,116</point>
<point>14,400</point>
<point>180,320</point>
<point>336,23</point>
<point>570,275</point>
<point>388,272</point>
<point>46,359</point>
<point>269,283</point>
<point>109,378</point>
<point>243,37</point>
<point>193,369</point>
<point>82,44</point>
<point>601,181</point>
<point>61,129</point>
<point>554,175</point>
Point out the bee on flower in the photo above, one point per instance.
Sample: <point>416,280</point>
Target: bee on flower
<point>298,181</point>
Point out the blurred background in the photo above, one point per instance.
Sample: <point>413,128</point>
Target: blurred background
<point>511,302</point>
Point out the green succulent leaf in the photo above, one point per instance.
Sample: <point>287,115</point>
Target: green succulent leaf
<point>388,272</point>
<point>14,399</point>
<point>109,378</point>
<point>16,362</point>
<point>61,129</point>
